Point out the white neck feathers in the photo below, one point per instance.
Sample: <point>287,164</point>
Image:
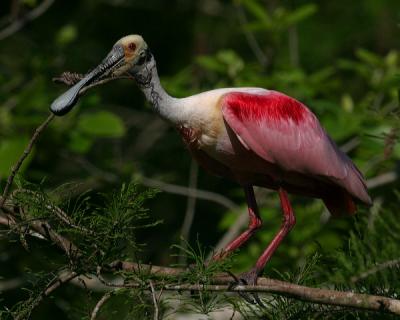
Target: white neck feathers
<point>149,82</point>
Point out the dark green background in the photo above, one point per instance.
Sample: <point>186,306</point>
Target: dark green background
<point>345,67</point>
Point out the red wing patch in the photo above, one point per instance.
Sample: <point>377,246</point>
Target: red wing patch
<point>273,105</point>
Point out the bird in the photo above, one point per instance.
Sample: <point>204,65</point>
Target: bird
<point>253,136</point>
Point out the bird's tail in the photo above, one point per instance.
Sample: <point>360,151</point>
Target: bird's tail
<point>340,203</point>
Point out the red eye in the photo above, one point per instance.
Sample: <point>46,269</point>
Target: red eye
<point>132,46</point>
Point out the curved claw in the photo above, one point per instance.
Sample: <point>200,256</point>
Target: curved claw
<point>247,278</point>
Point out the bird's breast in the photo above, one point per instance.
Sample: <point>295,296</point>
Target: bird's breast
<point>189,135</point>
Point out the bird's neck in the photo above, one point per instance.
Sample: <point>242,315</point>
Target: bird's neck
<point>149,82</point>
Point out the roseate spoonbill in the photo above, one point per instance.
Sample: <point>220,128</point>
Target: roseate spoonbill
<point>254,136</point>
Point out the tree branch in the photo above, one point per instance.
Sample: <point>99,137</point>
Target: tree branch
<point>185,191</point>
<point>20,23</point>
<point>190,210</point>
<point>155,301</point>
<point>379,267</point>
<point>314,295</point>
<point>100,303</point>
<point>26,152</point>
<point>223,283</point>
<point>251,39</point>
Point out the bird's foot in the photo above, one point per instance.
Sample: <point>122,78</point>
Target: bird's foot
<point>247,278</point>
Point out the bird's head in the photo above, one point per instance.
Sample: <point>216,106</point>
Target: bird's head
<point>130,55</point>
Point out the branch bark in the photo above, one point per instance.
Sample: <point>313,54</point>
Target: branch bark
<point>223,283</point>
<point>100,303</point>
<point>307,294</point>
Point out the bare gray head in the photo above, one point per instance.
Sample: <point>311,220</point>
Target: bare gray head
<point>130,55</point>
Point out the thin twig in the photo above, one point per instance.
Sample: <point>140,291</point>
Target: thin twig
<point>41,229</point>
<point>140,267</point>
<point>294,46</point>
<point>61,214</point>
<point>155,302</point>
<point>379,267</point>
<point>59,280</point>
<point>350,145</point>
<point>251,39</point>
<point>71,78</point>
<point>21,22</point>
<point>384,178</point>
<point>185,191</point>
<point>44,228</point>
<point>26,152</point>
<point>100,303</point>
<point>190,210</point>
<point>51,287</point>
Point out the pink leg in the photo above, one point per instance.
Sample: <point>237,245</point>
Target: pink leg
<point>254,224</point>
<point>289,221</point>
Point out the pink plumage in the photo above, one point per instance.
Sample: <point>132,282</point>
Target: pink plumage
<point>288,136</point>
<point>274,106</point>
<point>253,136</point>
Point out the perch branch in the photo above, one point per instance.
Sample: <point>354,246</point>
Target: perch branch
<point>222,283</point>
<point>307,294</point>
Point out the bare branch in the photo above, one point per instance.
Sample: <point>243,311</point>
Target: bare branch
<point>294,46</point>
<point>190,209</point>
<point>384,178</point>
<point>60,214</point>
<point>154,270</point>
<point>379,267</point>
<point>350,145</point>
<point>44,228</point>
<point>51,287</point>
<point>20,23</point>
<point>20,161</point>
<point>70,78</point>
<point>185,191</point>
<point>155,302</point>
<point>222,283</point>
<point>251,39</point>
<point>308,294</point>
<point>58,281</point>
<point>100,303</point>
<point>41,229</point>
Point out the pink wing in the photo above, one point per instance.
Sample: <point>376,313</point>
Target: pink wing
<point>283,131</point>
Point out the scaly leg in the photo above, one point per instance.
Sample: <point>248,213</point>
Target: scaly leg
<point>289,221</point>
<point>254,224</point>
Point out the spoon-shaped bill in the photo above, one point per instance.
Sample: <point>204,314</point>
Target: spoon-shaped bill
<point>65,102</point>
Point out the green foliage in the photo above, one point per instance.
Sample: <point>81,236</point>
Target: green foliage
<point>10,151</point>
<point>277,21</point>
<point>101,124</point>
<point>346,71</point>
<point>201,271</point>
<point>103,234</point>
